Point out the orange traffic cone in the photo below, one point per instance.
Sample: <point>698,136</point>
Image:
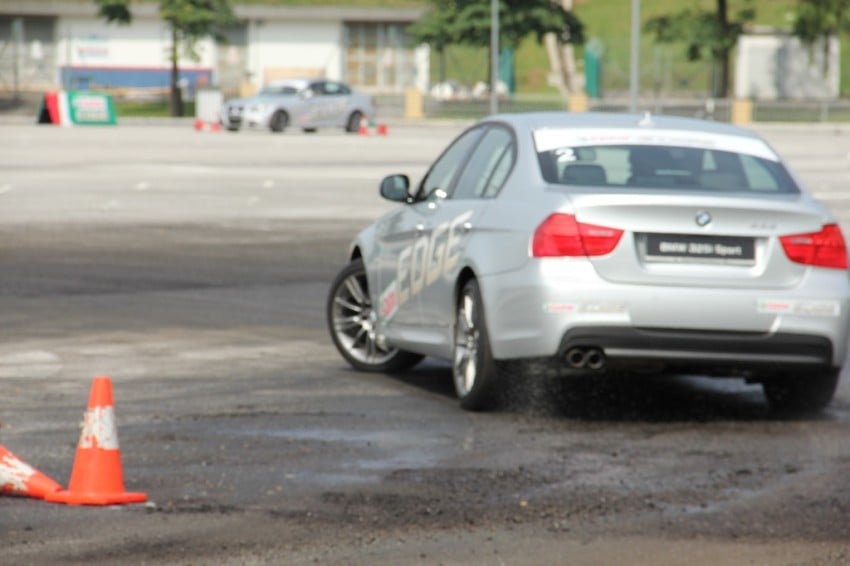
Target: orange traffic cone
<point>202,126</point>
<point>364,127</point>
<point>18,478</point>
<point>97,478</point>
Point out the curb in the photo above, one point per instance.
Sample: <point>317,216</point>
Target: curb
<point>189,121</point>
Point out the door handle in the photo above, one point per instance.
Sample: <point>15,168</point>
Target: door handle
<point>420,228</point>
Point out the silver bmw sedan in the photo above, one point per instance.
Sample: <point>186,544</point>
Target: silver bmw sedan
<point>594,243</point>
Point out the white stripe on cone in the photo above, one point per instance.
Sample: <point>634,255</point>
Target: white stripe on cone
<point>14,473</point>
<point>99,430</point>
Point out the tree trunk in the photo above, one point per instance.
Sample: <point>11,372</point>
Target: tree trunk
<point>175,99</point>
<point>575,81</point>
<point>556,67</point>
<point>562,62</point>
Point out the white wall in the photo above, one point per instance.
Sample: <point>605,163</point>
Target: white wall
<point>287,47</point>
<point>777,66</point>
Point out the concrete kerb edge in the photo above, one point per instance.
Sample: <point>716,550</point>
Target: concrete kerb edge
<point>188,121</point>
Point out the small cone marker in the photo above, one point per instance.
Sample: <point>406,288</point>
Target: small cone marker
<point>202,126</point>
<point>18,478</point>
<point>364,127</point>
<point>97,478</point>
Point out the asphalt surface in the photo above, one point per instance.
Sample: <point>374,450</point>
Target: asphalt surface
<point>192,268</point>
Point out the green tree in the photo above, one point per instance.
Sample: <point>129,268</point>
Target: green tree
<point>188,20</point>
<point>706,34</point>
<point>818,20</point>
<point>467,22</point>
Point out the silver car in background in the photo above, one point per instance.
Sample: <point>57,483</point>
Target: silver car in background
<point>308,104</point>
<point>594,243</point>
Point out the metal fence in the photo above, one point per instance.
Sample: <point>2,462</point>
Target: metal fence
<point>694,107</point>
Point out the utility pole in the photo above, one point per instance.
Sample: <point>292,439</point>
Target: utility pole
<point>494,56</point>
<point>17,44</point>
<point>634,74</point>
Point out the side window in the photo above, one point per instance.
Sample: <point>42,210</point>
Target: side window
<point>437,182</point>
<point>333,89</point>
<point>488,166</point>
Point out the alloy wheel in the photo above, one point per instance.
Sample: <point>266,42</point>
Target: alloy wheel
<point>354,322</point>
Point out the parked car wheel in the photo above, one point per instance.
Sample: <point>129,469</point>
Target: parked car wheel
<point>474,370</point>
<point>353,124</point>
<point>279,121</point>
<point>801,394</point>
<point>352,322</point>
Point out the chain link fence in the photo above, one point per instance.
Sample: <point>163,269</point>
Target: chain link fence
<point>692,107</point>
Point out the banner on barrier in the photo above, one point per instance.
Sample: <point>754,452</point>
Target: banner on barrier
<point>69,108</point>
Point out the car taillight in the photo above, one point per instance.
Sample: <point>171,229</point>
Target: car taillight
<point>562,235</point>
<point>822,249</point>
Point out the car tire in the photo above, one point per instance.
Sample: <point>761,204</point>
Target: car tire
<point>351,319</point>
<point>474,371</point>
<point>353,124</point>
<point>801,395</point>
<point>279,121</point>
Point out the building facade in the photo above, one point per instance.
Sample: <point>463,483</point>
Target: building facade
<point>49,45</point>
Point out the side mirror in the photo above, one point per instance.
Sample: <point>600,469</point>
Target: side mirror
<point>395,188</point>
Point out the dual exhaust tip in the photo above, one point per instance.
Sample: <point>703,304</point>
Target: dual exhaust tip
<point>585,358</point>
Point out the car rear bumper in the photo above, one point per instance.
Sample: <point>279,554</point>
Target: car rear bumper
<point>726,352</point>
<point>530,316</point>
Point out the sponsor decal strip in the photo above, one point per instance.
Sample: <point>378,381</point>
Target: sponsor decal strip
<point>553,138</point>
<point>799,307</point>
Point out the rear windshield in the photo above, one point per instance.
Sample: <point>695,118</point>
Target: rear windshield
<point>661,167</point>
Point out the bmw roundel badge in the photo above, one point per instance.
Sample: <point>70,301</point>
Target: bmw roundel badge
<point>703,218</point>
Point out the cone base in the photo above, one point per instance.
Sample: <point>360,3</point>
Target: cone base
<point>76,498</point>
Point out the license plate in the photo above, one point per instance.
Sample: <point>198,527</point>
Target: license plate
<point>684,247</point>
